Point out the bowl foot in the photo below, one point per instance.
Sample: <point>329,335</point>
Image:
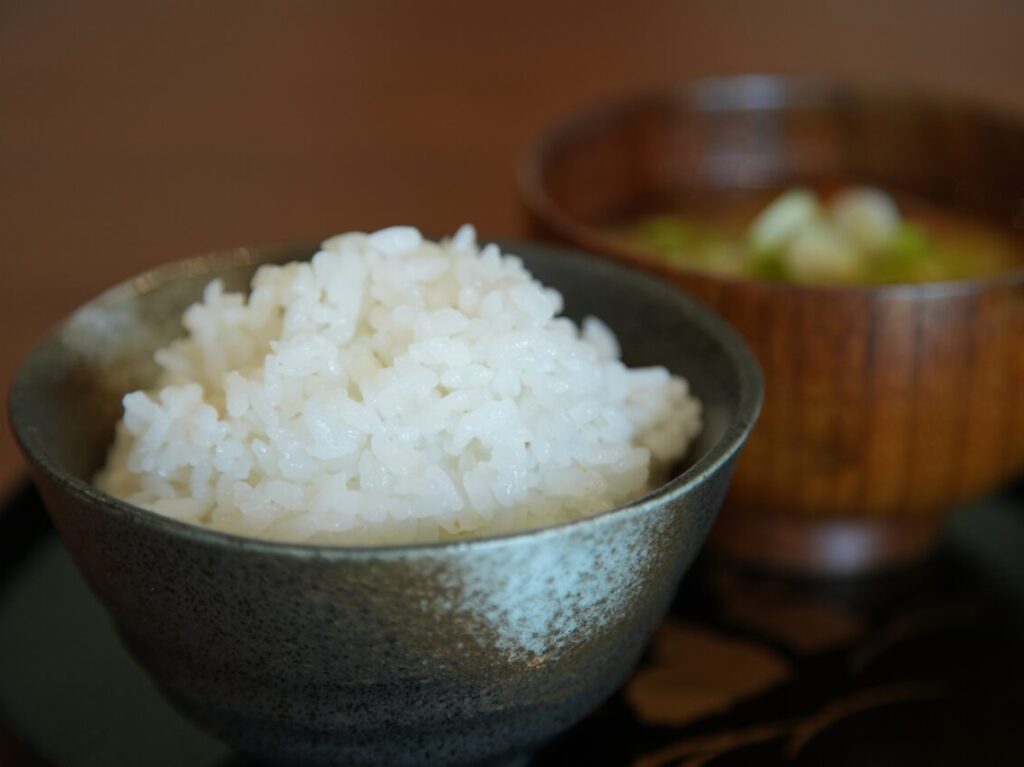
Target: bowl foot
<point>823,547</point>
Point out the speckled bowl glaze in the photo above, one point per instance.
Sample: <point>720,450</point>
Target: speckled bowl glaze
<point>472,652</point>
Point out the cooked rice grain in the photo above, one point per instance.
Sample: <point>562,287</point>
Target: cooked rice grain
<point>394,389</point>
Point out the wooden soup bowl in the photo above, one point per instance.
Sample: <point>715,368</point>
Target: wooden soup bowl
<point>885,406</point>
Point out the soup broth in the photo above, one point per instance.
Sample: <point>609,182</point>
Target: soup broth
<point>846,235</point>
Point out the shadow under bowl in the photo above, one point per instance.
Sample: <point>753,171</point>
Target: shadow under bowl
<point>884,406</point>
<point>459,653</point>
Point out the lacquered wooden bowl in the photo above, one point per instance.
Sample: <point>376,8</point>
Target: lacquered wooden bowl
<point>885,406</point>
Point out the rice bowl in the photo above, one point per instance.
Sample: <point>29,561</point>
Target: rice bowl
<point>456,653</point>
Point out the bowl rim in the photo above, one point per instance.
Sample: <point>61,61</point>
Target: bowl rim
<point>749,384</point>
<point>763,91</point>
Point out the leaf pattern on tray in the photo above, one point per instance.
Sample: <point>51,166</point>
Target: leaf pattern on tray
<point>803,623</point>
<point>853,704</point>
<point>696,751</point>
<point>692,751</point>
<point>696,672</point>
<point>920,623</point>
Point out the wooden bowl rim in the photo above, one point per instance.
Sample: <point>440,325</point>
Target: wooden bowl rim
<point>761,92</point>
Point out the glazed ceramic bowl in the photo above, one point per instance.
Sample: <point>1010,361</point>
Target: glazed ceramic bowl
<point>884,406</point>
<point>462,653</point>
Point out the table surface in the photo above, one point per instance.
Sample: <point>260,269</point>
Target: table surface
<point>135,133</point>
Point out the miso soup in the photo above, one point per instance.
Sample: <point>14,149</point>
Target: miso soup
<point>852,235</point>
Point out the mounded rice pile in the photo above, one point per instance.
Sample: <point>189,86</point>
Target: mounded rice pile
<point>394,389</point>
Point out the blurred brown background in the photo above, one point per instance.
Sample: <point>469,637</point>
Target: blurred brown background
<point>137,132</point>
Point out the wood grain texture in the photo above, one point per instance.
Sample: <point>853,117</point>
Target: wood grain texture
<point>883,406</point>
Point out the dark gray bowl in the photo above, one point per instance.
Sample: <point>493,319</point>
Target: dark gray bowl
<point>445,654</point>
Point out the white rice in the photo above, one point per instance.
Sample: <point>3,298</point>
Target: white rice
<point>394,390</point>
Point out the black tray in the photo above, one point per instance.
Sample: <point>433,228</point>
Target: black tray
<point>920,667</point>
